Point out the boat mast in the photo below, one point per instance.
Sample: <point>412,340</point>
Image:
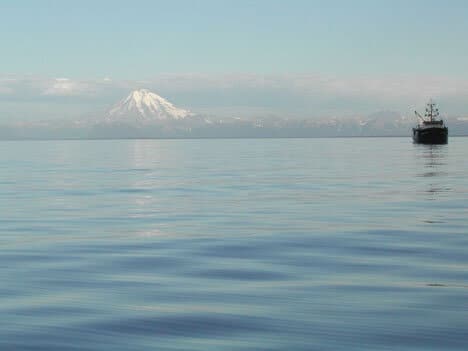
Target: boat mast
<point>431,110</point>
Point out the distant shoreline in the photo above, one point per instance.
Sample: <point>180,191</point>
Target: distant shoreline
<point>221,138</point>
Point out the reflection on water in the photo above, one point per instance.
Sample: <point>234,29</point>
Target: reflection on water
<point>302,244</point>
<point>434,158</point>
<point>433,166</point>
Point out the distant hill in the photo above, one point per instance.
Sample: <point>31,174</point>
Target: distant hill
<point>145,114</point>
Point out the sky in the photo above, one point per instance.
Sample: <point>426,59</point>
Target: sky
<point>304,58</point>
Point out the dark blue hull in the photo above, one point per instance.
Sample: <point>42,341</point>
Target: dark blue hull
<point>430,135</point>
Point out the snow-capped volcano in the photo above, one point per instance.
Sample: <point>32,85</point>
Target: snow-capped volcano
<point>143,105</point>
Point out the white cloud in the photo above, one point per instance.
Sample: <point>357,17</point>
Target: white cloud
<point>305,84</point>
<point>6,85</point>
<point>5,90</point>
<point>66,87</point>
<point>310,85</point>
<point>306,95</point>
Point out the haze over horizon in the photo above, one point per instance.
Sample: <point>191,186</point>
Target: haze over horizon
<point>310,59</point>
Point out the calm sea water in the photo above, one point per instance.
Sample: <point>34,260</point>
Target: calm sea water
<point>290,244</point>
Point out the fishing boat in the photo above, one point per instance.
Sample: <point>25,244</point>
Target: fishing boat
<point>430,129</point>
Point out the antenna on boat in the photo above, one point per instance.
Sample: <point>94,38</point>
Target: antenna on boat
<point>419,116</point>
<point>431,110</point>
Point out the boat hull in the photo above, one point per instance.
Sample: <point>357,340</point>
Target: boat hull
<point>430,135</point>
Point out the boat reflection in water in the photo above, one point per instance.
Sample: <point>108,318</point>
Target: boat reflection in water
<point>434,163</point>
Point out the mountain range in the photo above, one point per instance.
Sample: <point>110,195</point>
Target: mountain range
<point>144,114</point>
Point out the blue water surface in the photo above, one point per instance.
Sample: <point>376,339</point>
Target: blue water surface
<point>245,244</point>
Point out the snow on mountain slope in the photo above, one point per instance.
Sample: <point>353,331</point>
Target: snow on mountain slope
<point>143,105</point>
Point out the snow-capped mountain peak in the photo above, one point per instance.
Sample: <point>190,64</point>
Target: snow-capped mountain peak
<point>145,105</point>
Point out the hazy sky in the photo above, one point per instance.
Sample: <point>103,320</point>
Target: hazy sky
<point>331,57</point>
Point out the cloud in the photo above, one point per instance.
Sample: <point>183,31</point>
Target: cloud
<point>5,90</point>
<point>301,95</point>
<point>313,95</point>
<point>65,87</point>
<point>310,85</point>
<point>5,85</point>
